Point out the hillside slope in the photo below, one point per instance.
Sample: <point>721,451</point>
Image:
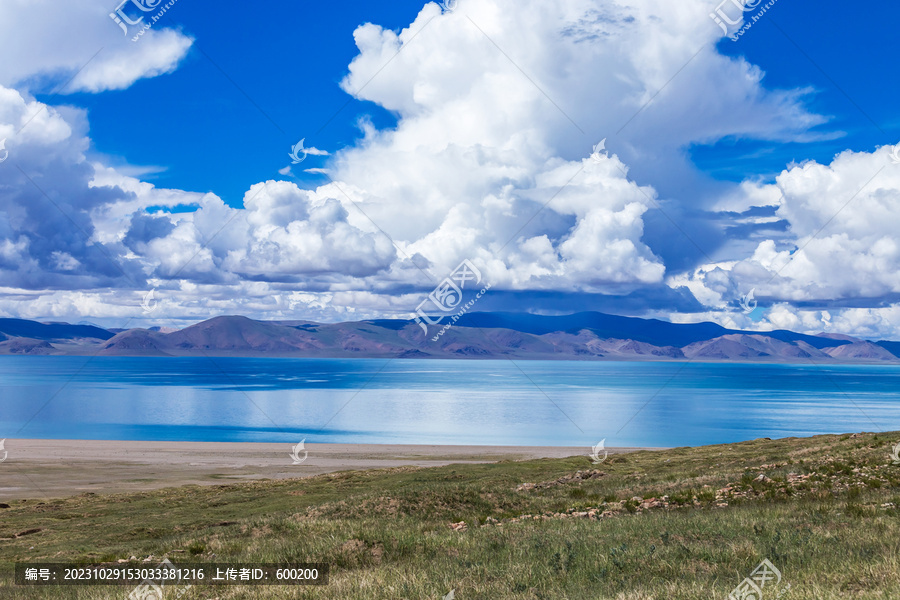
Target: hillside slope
<point>584,336</point>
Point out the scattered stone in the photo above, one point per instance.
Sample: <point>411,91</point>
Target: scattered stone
<point>352,546</point>
<point>578,476</point>
<point>461,526</point>
<point>795,484</point>
<point>377,552</point>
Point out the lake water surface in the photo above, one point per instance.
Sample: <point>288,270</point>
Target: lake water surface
<point>496,402</point>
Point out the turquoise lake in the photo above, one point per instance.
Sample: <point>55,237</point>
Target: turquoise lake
<point>496,402</point>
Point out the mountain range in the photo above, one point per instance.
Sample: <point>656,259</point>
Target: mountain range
<point>581,336</point>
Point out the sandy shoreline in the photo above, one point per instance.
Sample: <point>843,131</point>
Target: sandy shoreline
<point>55,468</point>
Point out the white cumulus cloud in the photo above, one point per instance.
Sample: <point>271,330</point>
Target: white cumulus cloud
<point>499,104</point>
<point>77,40</point>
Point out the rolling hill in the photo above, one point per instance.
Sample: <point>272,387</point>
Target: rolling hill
<point>581,336</point>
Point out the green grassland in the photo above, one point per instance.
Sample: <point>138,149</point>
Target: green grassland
<point>677,524</point>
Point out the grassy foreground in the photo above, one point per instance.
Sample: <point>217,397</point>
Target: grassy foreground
<point>679,524</point>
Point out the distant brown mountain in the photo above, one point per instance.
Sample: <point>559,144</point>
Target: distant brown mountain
<point>861,351</point>
<point>588,336</point>
<point>742,347</point>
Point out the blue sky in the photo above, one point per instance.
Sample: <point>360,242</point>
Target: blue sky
<point>198,124</point>
<point>837,50</point>
<point>164,160</point>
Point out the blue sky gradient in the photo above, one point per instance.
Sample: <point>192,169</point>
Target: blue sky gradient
<point>759,164</point>
<point>198,124</point>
